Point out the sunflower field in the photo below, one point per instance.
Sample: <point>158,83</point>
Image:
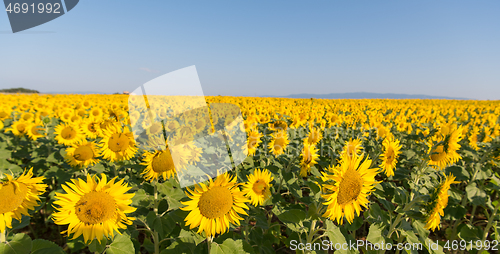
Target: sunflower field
<point>315,176</point>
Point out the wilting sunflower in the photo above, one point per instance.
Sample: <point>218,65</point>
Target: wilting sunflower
<point>446,154</point>
<point>164,163</point>
<point>95,208</point>
<point>17,196</point>
<point>68,134</point>
<point>389,157</point>
<point>279,142</point>
<point>440,202</point>
<point>214,205</point>
<point>82,154</point>
<point>352,149</point>
<point>353,183</point>
<point>253,141</point>
<point>309,156</point>
<point>117,144</point>
<point>258,186</point>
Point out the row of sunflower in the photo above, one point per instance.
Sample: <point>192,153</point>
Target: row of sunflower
<point>78,177</point>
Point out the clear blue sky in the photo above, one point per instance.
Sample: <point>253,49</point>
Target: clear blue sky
<point>269,47</point>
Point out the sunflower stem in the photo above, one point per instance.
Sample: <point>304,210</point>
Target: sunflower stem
<point>209,243</point>
<point>3,237</point>
<point>490,221</point>
<point>155,209</point>
<point>312,232</point>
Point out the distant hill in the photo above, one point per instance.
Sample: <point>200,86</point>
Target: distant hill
<point>362,95</point>
<point>18,90</point>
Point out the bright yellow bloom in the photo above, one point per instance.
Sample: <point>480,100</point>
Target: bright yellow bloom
<point>353,181</point>
<point>253,141</point>
<point>117,144</point>
<point>278,144</point>
<point>68,134</point>
<point>17,196</point>
<point>440,203</point>
<point>95,208</point>
<point>82,154</point>
<point>309,156</point>
<point>258,187</point>
<point>446,154</point>
<point>389,157</point>
<point>212,207</point>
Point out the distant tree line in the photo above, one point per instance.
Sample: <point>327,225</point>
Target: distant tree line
<point>18,90</point>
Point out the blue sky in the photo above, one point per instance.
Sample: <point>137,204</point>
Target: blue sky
<point>278,47</point>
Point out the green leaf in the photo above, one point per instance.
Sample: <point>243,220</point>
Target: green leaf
<point>20,244</point>
<point>154,222</point>
<point>173,193</point>
<point>475,195</point>
<point>459,172</point>
<point>96,246</point>
<point>333,233</point>
<point>121,245</point>
<point>375,233</point>
<point>230,246</point>
<point>469,233</point>
<point>293,216</point>
<point>41,246</point>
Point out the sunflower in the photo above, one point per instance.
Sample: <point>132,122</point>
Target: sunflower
<point>253,141</point>
<point>35,130</point>
<point>389,157</point>
<point>117,144</point>
<point>18,196</point>
<point>68,134</point>
<point>314,136</point>
<point>90,128</point>
<point>258,186</point>
<point>352,149</point>
<point>440,203</point>
<point>473,138</point>
<point>445,154</point>
<point>353,183</point>
<point>214,205</point>
<point>279,125</point>
<point>164,163</point>
<point>95,208</point>
<point>18,128</point>
<point>309,156</point>
<point>279,142</point>
<point>82,154</point>
<point>1,124</point>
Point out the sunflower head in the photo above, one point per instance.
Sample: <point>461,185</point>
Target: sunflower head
<point>353,181</point>
<point>68,134</point>
<point>253,141</point>
<point>258,187</point>
<point>439,202</point>
<point>309,156</point>
<point>17,196</point>
<point>279,143</point>
<point>95,208</point>
<point>214,205</point>
<point>164,162</point>
<point>82,154</point>
<point>389,157</point>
